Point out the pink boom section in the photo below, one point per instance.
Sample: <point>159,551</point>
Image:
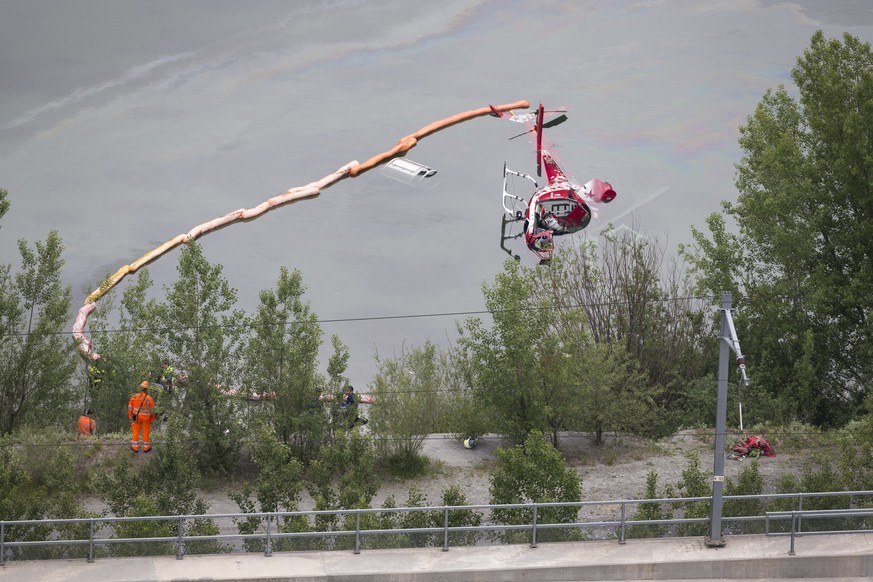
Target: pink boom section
<point>311,190</point>
<point>410,141</point>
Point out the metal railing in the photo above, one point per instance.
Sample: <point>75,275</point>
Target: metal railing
<point>270,531</point>
<point>796,520</point>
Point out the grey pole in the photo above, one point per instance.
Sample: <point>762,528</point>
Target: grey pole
<point>715,539</point>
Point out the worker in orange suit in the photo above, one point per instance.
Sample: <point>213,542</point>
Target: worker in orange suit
<point>141,412</point>
<point>87,425</point>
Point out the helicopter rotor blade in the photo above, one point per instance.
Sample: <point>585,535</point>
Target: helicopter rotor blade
<point>551,123</point>
<point>556,121</point>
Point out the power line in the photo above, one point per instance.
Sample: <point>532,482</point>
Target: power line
<point>255,324</point>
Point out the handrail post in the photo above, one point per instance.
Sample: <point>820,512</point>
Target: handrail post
<point>268,550</point>
<point>91,540</point>
<point>533,533</point>
<point>800,508</point>
<point>2,543</point>
<point>446,529</point>
<point>179,543</point>
<point>621,530</point>
<point>357,531</point>
<point>794,517</point>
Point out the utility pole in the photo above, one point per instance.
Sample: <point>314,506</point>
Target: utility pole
<point>728,341</point>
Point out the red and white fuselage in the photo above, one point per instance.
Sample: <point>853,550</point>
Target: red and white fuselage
<point>559,207</point>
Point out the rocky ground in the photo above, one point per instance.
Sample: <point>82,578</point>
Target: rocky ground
<point>615,470</point>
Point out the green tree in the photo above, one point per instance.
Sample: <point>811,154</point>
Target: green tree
<point>4,202</point>
<point>37,361</point>
<point>276,488</point>
<point>516,366</point>
<point>613,395</point>
<point>802,263</point>
<point>540,365</point>
<point>637,308</point>
<point>534,472</point>
<point>337,365</point>
<point>410,393</point>
<point>856,451</point>
<point>466,414</point>
<point>282,360</point>
<point>198,324</point>
<point>122,335</point>
<point>343,477</point>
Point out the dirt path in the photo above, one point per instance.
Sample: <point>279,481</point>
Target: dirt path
<point>613,471</point>
<point>617,469</point>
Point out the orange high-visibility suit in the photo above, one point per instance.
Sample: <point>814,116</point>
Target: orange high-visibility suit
<point>87,426</point>
<point>141,405</point>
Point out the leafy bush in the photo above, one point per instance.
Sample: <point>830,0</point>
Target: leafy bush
<point>748,482</point>
<point>38,482</point>
<point>453,496</point>
<point>693,483</point>
<point>534,472</point>
<point>406,464</point>
<point>649,512</point>
<point>275,488</point>
<point>165,484</point>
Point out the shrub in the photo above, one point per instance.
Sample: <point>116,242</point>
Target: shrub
<point>749,482</point>
<point>693,483</point>
<point>534,472</point>
<point>651,511</point>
